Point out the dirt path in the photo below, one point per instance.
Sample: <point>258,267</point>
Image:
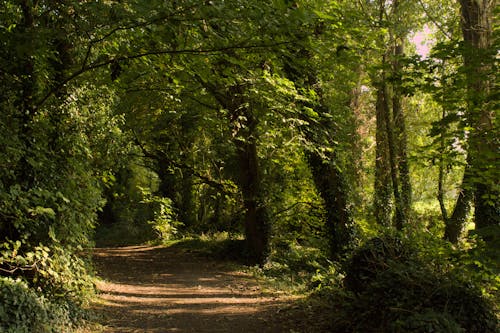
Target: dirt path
<point>156,289</point>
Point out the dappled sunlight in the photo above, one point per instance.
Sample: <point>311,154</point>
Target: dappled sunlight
<point>172,291</point>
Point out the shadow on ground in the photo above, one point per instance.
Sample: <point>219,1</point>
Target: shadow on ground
<point>158,289</point>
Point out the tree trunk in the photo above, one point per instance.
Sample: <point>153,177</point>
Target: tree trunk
<point>391,154</point>
<point>187,207</point>
<point>167,187</point>
<point>399,218</point>
<point>441,191</point>
<point>332,187</point>
<point>327,174</point>
<point>256,216</point>
<point>331,184</point>
<point>477,29</point>
<point>244,128</point>
<point>455,224</point>
<point>386,172</point>
<point>383,186</point>
<point>401,136</point>
<point>328,177</point>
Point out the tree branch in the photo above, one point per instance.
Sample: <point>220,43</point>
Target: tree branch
<point>439,26</point>
<point>157,155</point>
<point>85,69</point>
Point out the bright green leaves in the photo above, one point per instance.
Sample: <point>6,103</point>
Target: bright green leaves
<point>39,211</point>
<point>59,138</point>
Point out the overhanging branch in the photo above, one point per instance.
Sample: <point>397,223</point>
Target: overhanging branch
<point>94,66</point>
<point>159,155</point>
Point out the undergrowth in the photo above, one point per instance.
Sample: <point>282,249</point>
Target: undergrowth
<point>392,283</point>
<point>397,284</point>
<point>43,290</point>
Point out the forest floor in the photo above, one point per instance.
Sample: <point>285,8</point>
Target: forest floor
<point>174,289</point>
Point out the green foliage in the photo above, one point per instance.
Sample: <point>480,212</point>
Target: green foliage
<point>164,221</point>
<point>373,257</point>
<point>397,288</point>
<point>22,310</point>
<point>220,245</point>
<point>299,268</point>
<point>55,271</point>
<point>427,322</point>
<point>134,213</point>
<point>42,289</point>
<point>126,188</point>
<point>121,107</point>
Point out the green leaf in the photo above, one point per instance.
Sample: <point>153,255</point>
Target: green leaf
<point>40,211</point>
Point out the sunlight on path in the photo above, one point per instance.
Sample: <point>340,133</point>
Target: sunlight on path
<point>155,289</point>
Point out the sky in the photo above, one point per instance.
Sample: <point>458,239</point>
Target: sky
<point>423,41</point>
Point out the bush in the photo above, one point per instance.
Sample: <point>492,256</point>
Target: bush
<point>55,271</point>
<point>41,290</point>
<point>377,255</point>
<point>165,222</point>
<point>22,310</point>
<point>397,290</point>
<point>426,322</point>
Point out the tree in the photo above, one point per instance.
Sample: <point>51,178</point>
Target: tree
<point>225,85</point>
<point>391,162</point>
<point>49,144</point>
<point>477,17</point>
<point>327,126</point>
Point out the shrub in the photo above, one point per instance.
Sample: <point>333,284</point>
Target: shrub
<point>375,256</point>
<point>55,271</point>
<point>427,322</point>
<point>165,222</point>
<point>397,290</point>
<point>22,310</point>
<point>41,290</point>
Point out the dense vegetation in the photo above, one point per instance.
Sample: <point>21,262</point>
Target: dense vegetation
<point>317,130</point>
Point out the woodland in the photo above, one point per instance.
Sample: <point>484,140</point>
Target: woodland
<point>351,144</point>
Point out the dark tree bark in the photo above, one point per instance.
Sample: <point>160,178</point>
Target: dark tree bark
<point>330,182</point>
<point>441,191</point>
<point>256,216</point>
<point>387,170</point>
<point>391,153</point>
<point>383,183</point>
<point>477,16</point>
<point>455,224</point>
<point>257,224</point>
<point>187,209</point>
<point>449,233</point>
<point>243,124</point>
<point>244,128</point>
<point>399,217</point>
<point>401,136</point>
<point>329,178</point>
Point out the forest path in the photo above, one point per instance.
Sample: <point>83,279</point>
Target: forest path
<point>171,289</point>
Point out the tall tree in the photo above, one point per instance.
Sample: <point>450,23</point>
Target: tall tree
<point>383,182</point>
<point>326,128</point>
<point>392,172</point>
<point>477,20</point>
